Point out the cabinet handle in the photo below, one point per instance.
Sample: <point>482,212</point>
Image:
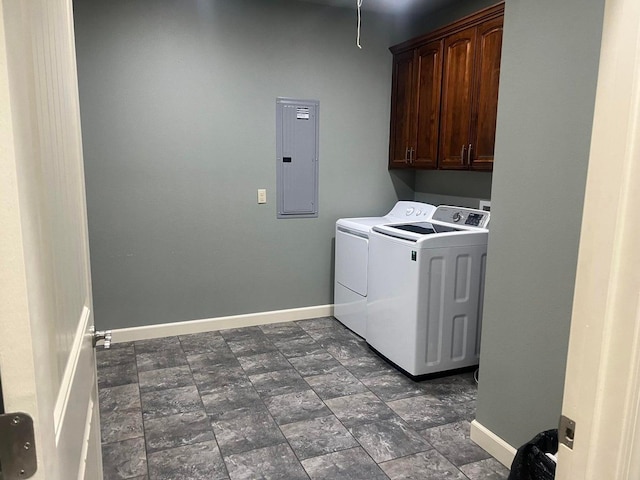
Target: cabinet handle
<point>464,147</point>
<point>406,155</point>
<point>411,155</point>
<point>469,155</point>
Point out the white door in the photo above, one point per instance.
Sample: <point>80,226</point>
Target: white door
<point>602,387</point>
<point>46,359</point>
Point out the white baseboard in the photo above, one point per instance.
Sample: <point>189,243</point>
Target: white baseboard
<point>492,443</point>
<point>211,324</point>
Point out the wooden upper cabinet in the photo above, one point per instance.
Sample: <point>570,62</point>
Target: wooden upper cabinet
<point>445,95</point>
<point>402,99</point>
<point>427,102</point>
<point>455,116</point>
<point>485,103</point>
<point>415,107</point>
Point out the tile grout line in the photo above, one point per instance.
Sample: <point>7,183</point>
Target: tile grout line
<point>215,438</point>
<point>340,421</point>
<point>386,404</point>
<point>286,440</point>
<point>267,407</point>
<point>144,427</point>
<point>321,399</point>
<point>382,401</point>
<point>323,347</point>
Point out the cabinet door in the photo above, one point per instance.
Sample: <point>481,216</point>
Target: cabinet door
<point>457,81</point>
<point>427,119</point>
<point>485,102</point>
<point>402,99</point>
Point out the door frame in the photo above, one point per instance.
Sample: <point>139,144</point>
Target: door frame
<point>602,386</point>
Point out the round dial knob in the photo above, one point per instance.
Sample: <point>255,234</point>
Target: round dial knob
<point>418,212</point>
<point>410,210</point>
<point>457,217</point>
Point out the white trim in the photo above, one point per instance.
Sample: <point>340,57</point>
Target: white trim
<point>602,377</point>
<point>212,324</point>
<point>69,372</point>
<point>86,439</point>
<point>492,443</point>
<point>629,454</point>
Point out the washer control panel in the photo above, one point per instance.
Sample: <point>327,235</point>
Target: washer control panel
<point>469,217</point>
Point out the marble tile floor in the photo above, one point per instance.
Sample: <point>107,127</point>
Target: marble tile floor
<point>298,400</point>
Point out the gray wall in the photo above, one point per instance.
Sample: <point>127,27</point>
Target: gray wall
<point>547,90</point>
<point>461,188</point>
<point>413,25</point>
<point>178,106</point>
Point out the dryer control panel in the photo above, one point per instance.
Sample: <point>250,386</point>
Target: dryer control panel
<point>406,210</point>
<point>469,217</point>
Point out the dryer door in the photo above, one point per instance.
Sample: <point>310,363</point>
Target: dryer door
<point>352,260</point>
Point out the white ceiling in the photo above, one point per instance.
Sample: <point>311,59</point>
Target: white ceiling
<point>387,6</point>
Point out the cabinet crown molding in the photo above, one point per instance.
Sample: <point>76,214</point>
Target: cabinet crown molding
<point>475,18</point>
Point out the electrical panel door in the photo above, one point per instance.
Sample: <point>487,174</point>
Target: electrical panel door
<point>297,157</point>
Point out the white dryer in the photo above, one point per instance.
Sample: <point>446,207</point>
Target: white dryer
<point>426,288</point>
<point>352,260</point>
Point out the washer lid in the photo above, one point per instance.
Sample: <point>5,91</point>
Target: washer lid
<point>423,228</point>
<point>415,231</point>
<point>446,220</point>
<point>419,228</point>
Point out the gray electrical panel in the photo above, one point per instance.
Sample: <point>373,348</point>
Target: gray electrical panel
<point>297,136</point>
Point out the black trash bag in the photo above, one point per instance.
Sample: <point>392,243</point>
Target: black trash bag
<point>531,463</point>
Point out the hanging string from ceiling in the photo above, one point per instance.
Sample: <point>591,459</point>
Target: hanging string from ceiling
<point>359,6</point>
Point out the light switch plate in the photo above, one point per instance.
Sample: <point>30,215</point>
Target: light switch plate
<point>262,195</point>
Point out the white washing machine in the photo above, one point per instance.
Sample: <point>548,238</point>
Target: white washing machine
<point>352,260</point>
<point>426,288</point>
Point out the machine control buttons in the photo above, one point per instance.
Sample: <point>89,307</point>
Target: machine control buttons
<point>418,212</point>
<point>474,219</point>
<point>457,217</point>
<point>410,210</point>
